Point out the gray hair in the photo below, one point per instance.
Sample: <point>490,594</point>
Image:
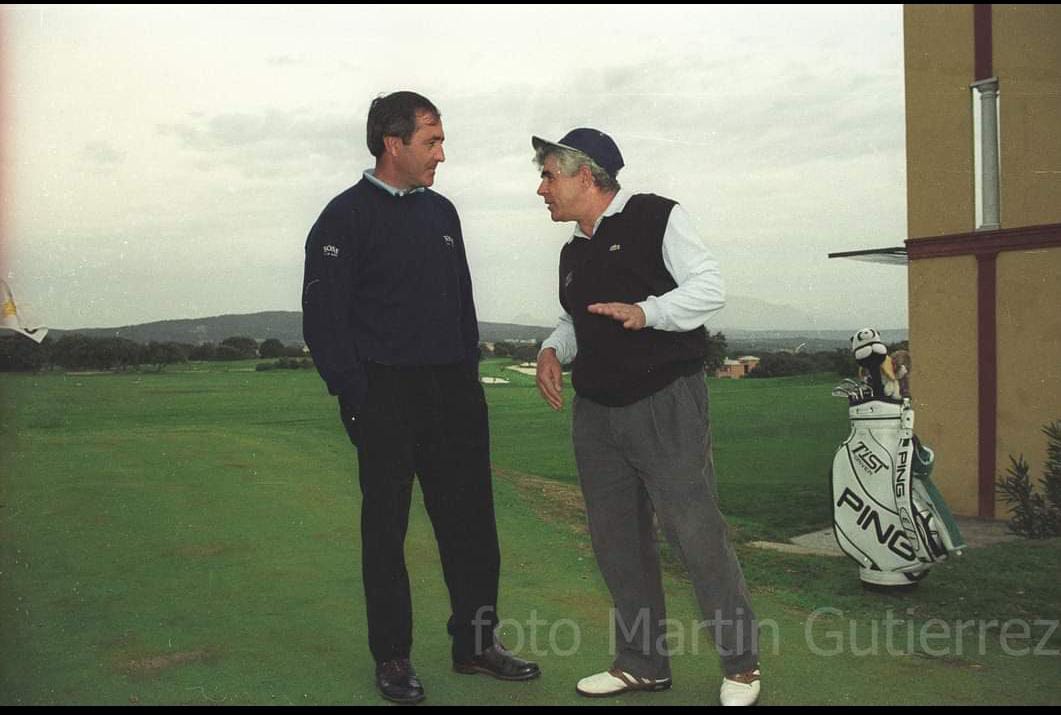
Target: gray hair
<point>571,160</point>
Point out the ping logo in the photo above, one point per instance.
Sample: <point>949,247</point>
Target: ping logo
<point>867,458</point>
<point>568,278</point>
<point>894,539</point>
<point>331,251</point>
<point>448,239</point>
<point>902,469</point>
<point>615,247</point>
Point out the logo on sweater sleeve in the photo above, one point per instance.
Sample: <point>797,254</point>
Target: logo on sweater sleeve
<point>448,239</point>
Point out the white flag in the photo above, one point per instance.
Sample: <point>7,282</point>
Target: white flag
<point>9,316</point>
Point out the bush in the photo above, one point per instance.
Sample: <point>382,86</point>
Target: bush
<point>1036,514</point>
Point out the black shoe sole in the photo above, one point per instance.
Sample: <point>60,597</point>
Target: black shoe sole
<point>474,669</point>
<point>402,701</point>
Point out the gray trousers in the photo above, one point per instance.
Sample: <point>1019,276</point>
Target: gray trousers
<point>654,456</point>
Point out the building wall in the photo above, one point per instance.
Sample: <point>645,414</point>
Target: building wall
<point>944,375</point>
<point>939,125</point>
<point>1027,61</point>
<point>940,200</point>
<point>1029,356</point>
<point>940,66</point>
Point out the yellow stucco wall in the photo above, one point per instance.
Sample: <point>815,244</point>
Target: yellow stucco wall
<point>939,126</point>
<point>1026,56</point>
<point>943,377</point>
<point>1027,62</point>
<point>1029,356</point>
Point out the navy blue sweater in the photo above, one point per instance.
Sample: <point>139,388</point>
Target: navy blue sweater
<point>386,281</point>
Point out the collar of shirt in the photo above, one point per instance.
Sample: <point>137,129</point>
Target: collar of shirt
<point>617,204</point>
<point>370,174</point>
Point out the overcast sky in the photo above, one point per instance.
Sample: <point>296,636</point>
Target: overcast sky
<point>167,162</point>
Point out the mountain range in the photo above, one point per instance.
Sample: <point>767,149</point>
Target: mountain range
<point>286,326</point>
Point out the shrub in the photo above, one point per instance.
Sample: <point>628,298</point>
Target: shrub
<point>1036,513</point>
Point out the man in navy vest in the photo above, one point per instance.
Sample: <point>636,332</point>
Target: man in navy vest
<point>389,319</point>
<point>637,285</point>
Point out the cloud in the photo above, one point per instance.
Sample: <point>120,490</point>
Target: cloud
<point>102,154</point>
<point>269,144</point>
<point>282,61</point>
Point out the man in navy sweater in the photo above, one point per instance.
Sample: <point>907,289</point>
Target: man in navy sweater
<point>389,319</point>
<point>637,285</point>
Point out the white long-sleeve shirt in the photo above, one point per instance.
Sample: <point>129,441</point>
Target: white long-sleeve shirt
<point>699,294</point>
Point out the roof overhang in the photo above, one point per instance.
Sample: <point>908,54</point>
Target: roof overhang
<point>895,256</point>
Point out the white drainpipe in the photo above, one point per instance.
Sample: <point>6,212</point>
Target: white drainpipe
<point>989,173</point>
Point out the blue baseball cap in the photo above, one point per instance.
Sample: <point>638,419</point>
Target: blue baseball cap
<point>593,143</point>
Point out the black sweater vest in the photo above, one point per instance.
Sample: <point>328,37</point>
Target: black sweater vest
<point>623,263</point>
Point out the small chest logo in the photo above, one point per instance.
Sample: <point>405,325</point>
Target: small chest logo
<point>331,251</point>
<point>568,278</point>
<point>615,247</point>
<point>448,239</point>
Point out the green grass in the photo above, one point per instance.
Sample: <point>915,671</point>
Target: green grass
<point>773,443</point>
<point>192,537</point>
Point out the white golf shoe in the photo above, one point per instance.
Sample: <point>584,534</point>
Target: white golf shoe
<point>615,681</point>
<point>740,689</point>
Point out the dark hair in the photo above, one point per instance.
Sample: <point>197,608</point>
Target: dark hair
<point>394,115</point>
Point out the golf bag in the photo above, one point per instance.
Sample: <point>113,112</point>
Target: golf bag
<point>887,514</point>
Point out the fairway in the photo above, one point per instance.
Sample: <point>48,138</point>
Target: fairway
<point>191,537</point>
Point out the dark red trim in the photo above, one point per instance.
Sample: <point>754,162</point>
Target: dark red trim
<point>982,42</point>
<point>987,367</point>
<point>978,243</point>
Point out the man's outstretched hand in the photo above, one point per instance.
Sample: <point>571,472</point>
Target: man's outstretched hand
<point>631,316</point>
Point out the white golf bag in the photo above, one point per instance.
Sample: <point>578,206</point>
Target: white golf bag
<point>887,514</point>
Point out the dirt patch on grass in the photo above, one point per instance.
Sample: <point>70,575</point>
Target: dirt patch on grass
<point>340,534</point>
<point>155,664</point>
<point>553,501</point>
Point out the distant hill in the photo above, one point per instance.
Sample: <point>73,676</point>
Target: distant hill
<point>284,325</point>
<point>746,342</point>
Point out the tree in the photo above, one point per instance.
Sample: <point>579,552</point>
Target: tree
<point>205,351</point>
<point>272,348</point>
<point>246,348</point>
<point>227,352</point>
<point>18,353</point>
<point>79,352</point>
<point>527,352</point>
<point>116,353</point>
<point>716,352</point>
<point>162,354</point>
<point>843,362</point>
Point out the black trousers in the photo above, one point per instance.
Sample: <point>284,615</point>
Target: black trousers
<point>428,421</point>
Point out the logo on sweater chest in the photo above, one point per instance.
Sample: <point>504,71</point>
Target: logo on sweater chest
<point>448,240</point>
<point>331,251</point>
